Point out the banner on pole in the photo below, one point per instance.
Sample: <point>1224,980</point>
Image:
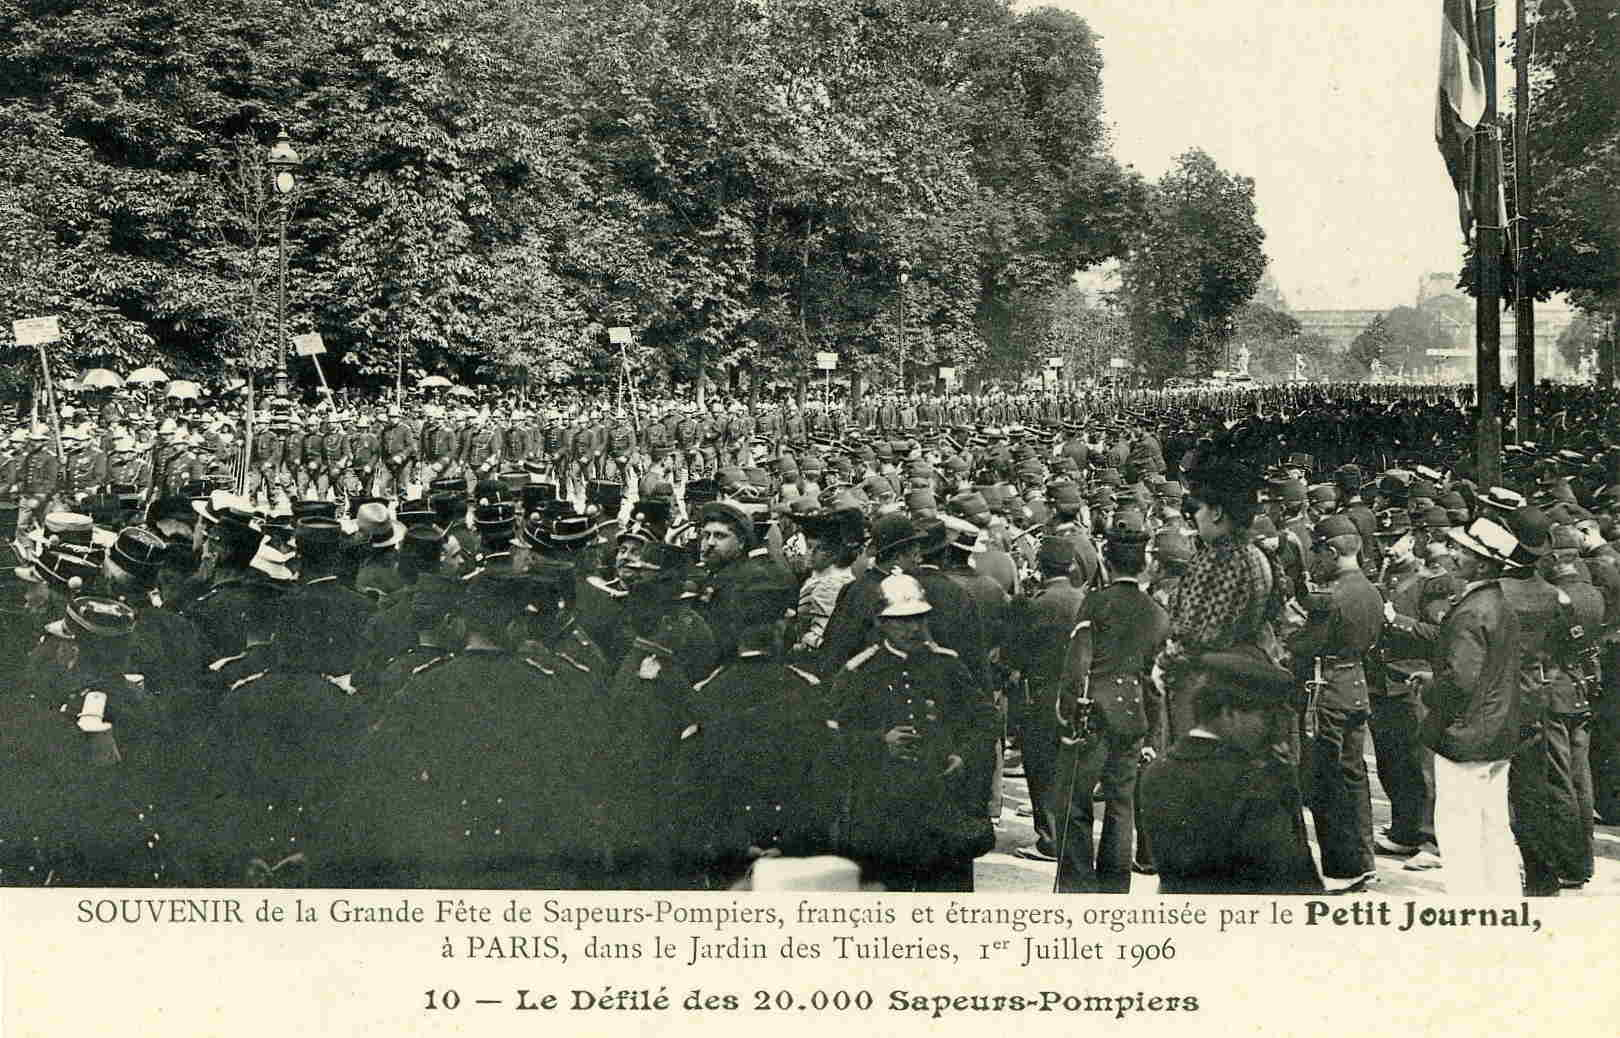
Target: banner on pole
<point>619,336</point>
<point>1116,363</point>
<point>32,331</point>
<point>309,345</point>
<point>826,361</point>
<point>1054,362</point>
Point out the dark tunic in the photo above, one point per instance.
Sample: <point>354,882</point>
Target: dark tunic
<point>906,810</point>
<point>470,777</point>
<point>756,764</point>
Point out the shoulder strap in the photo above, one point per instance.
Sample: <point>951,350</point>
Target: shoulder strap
<point>238,683</point>
<point>434,662</point>
<point>860,658</point>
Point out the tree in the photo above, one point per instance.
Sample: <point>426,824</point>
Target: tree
<point>1578,339</point>
<point>1373,343</point>
<point>1268,335</point>
<point>1198,261</point>
<point>488,187</point>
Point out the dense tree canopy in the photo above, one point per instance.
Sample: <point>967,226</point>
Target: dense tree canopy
<point>486,187</point>
<point>1198,260</point>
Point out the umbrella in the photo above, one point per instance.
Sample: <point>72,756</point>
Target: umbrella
<point>147,375</point>
<point>182,389</point>
<point>101,378</point>
<point>435,382</point>
<point>461,391</point>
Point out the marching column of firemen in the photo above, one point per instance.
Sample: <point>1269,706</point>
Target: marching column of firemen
<point>554,646</point>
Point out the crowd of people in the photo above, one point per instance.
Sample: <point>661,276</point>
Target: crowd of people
<point>559,644</point>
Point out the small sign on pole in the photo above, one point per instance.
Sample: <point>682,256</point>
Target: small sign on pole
<point>619,336</point>
<point>826,361</point>
<point>309,345</point>
<point>948,374</point>
<point>33,331</point>
<point>1117,363</point>
<point>1054,362</point>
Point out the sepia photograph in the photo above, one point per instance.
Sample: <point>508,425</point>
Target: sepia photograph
<point>685,475</point>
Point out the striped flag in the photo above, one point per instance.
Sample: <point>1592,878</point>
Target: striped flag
<point>1459,102</point>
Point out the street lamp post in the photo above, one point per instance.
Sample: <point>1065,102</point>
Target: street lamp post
<point>900,362</point>
<point>284,164</point>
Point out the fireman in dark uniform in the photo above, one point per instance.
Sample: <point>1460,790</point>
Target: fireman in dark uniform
<point>363,451</point>
<point>1417,595</point>
<point>459,779</point>
<point>37,470</point>
<point>86,765</point>
<point>1344,618</point>
<point>1118,632</point>
<point>756,763</point>
<point>232,540</point>
<point>269,448</point>
<point>165,647</point>
<point>482,451</point>
<point>919,729</point>
<point>397,455</point>
<point>277,759</point>
<point>1566,727</point>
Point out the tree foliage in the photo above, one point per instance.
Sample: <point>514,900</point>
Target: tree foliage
<point>1198,260</point>
<point>487,187</point>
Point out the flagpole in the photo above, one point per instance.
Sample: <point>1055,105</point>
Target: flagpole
<point>247,437</point>
<point>1524,305</point>
<point>1488,258</point>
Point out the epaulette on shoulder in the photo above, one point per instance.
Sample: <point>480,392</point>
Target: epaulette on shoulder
<point>809,678</point>
<point>648,645</point>
<point>579,636</point>
<point>250,679</point>
<point>716,672</point>
<point>219,664</point>
<point>430,664</point>
<point>216,589</point>
<point>940,650</point>
<point>601,585</point>
<point>857,661</point>
<point>575,663</point>
<point>541,667</point>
